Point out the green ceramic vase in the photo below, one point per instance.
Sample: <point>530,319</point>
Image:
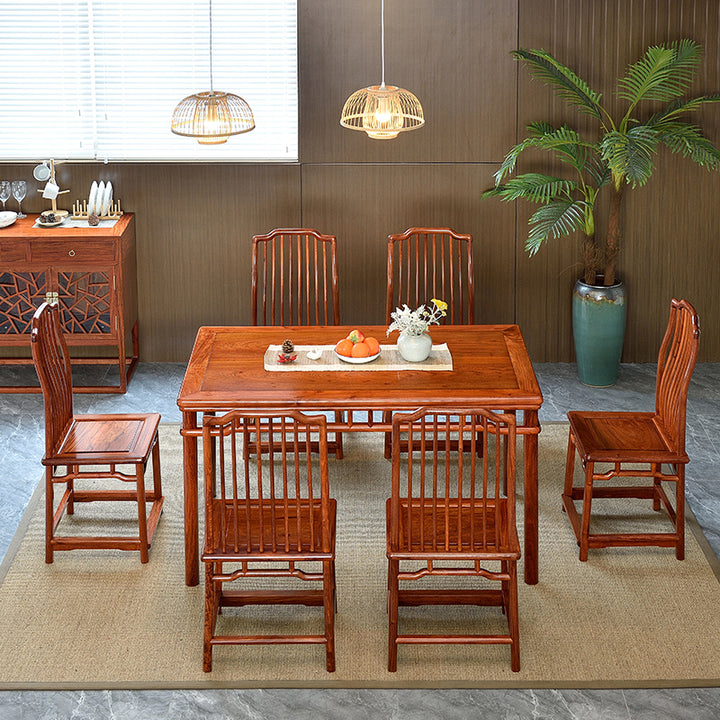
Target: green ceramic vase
<point>599,330</point>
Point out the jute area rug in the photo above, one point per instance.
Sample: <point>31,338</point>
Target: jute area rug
<point>100,619</point>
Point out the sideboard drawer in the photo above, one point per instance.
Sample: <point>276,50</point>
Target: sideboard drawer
<point>13,251</point>
<point>76,251</point>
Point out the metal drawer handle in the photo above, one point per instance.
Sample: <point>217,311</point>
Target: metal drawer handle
<point>71,253</point>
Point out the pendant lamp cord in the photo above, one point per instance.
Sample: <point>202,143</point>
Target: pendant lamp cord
<point>382,39</point>
<point>211,49</point>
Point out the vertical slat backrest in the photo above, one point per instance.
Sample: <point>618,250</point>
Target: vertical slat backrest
<point>259,467</point>
<point>52,364</point>
<point>468,496</point>
<point>426,263</point>
<point>294,278</point>
<point>676,361</point>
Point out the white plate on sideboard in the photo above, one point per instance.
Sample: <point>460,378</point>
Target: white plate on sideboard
<point>92,198</point>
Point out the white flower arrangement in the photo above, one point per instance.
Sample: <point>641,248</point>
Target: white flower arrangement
<point>417,322</point>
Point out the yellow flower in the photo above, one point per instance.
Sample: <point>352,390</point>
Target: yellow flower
<point>440,305</point>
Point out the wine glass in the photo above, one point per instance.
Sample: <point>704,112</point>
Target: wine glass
<point>19,188</point>
<point>4,192</point>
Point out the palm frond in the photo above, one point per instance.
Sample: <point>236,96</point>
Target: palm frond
<point>689,141</point>
<point>598,171</point>
<point>534,187</point>
<point>557,219</point>
<point>571,148</point>
<point>566,83</point>
<point>663,73</point>
<point>630,155</point>
<point>681,107</point>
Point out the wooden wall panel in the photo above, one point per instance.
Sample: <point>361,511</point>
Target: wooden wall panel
<point>449,54</point>
<point>362,204</point>
<point>670,224</point>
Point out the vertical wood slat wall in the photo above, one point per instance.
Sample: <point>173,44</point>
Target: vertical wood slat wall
<point>194,221</point>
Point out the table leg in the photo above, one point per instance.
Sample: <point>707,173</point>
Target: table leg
<point>530,450</point>
<point>190,464</point>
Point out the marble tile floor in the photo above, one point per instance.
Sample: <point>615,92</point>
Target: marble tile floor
<point>155,387</point>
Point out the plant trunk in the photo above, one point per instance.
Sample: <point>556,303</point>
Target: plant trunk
<point>612,244</point>
<point>589,259</point>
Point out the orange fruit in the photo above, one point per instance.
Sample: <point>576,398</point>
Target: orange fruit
<point>356,336</point>
<point>360,349</point>
<point>373,344</point>
<point>344,347</point>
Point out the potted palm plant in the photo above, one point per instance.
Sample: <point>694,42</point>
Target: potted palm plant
<point>619,154</point>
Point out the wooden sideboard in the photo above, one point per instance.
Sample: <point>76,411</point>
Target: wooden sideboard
<point>92,273</point>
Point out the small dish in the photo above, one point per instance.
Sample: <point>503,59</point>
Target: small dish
<point>8,217</point>
<point>357,360</point>
<point>50,224</point>
<point>314,354</point>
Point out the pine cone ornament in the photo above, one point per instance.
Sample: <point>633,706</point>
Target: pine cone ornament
<point>288,354</point>
<point>93,220</point>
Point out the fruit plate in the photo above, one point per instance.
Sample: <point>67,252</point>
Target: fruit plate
<point>357,360</point>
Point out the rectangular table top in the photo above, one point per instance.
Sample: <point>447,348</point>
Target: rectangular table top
<point>226,371</point>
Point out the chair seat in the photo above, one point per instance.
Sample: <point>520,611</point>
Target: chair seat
<point>625,437</point>
<point>106,439</point>
<point>278,530</point>
<point>422,531</point>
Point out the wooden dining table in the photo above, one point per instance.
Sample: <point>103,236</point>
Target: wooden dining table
<point>226,371</point>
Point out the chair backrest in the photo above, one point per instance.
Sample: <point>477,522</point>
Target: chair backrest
<point>294,278</point>
<point>452,501</point>
<point>676,361</point>
<point>426,263</point>
<point>52,364</point>
<point>263,486</point>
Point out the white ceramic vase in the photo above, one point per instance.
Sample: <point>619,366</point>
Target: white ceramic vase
<point>414,348</point>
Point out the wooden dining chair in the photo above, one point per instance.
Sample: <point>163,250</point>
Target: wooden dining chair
<point>638,445</point>
<point>294,278</point>
<point>452,514</point>
<point>425,263</point>
<point>91,449</point>
<point>267,515</point>
<point>294,281</point>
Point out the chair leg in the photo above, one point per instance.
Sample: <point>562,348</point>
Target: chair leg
<point>569,466</point>
<point>329,607</point>
<point>512,617</point>
<point>49,514</point>
<point>142,512</point>
<point>157,477</point>
<point>587,506</point>
<point>387,418</point>
<point>210,617</point>
<point>393,569</point>
<point>680,513</point>
<point>338,437</point>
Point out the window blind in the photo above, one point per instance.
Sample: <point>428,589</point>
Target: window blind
<point>100,79</point>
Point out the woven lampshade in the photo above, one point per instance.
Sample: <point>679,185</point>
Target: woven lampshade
<point>212,117</point>
<point>382,111</point>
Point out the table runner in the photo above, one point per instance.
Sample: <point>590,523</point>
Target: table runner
<point>390,359</point>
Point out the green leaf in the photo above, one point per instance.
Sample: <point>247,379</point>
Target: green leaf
<point>663,73</point>
<point>689,141</point>
<point>681,107</point>
<point>533,187</point>
<point>557,219</point>
<point>565,82</point>
<point>630,155</point>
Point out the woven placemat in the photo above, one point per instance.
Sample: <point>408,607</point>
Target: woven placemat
<point>389,359</point>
